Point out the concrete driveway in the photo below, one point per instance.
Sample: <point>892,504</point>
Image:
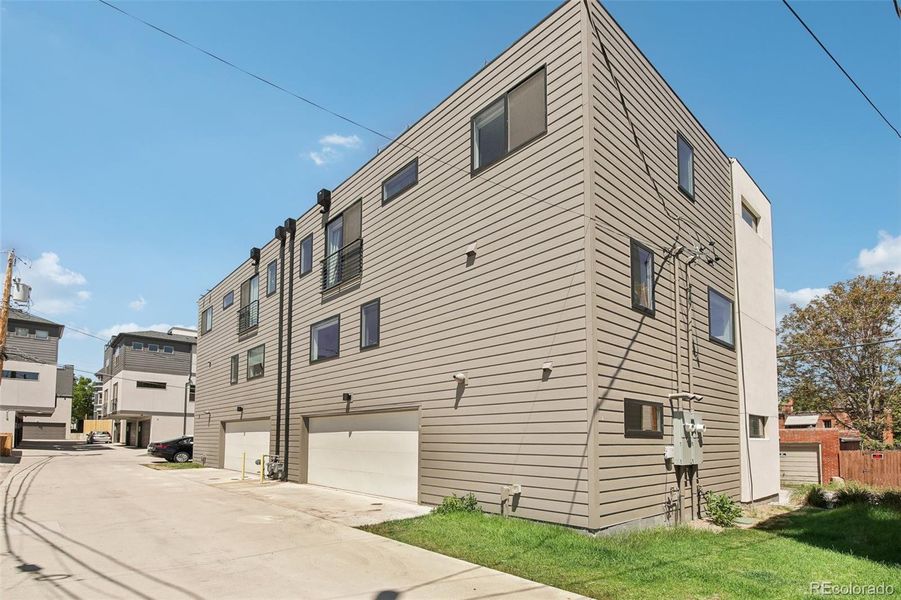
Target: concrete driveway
<point>91,521</point>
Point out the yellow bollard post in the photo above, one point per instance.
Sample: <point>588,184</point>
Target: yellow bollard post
<point>243,460</point>
<point>262,464</point>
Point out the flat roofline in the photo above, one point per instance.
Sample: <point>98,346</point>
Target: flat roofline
<point>759,189</point>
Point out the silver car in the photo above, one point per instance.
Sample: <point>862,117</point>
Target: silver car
<point>99,437</point>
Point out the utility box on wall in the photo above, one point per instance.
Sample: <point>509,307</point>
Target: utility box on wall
<point>688,438</point>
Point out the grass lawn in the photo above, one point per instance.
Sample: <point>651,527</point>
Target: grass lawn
<point>167,466</point>
<point>778,559</point>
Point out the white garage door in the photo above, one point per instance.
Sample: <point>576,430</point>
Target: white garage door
<point>246,441</point>
<point>375,453</point>
<point>799,463</point>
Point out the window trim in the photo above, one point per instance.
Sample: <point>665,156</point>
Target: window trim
<point>151,385</point>
<point>203,327</point>
<point>745,208</point>
<point>263,362</point>
<point>764,420</point>
<point>641,433</point>
<point>690,195</point>
<point>634,246</point>
<point>231,295</point>
<point>37,335</point>
<point>320,322</point>
<point>387,199</point>
<point>274,286</point>
<point>171,350</point>
<point>378,303</point>
<point>234,368</point>
<point>20,329</point>
<point>710,336</point>
<point>137,346</point>
<point>473,170</point>
<point>300,270</point>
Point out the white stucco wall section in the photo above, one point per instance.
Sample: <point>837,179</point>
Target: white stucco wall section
<point>756,350</point>
<point>26,395</point>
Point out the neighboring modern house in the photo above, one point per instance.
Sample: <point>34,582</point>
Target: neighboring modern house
<point>148,385</point>
<point>35,394</point>
<point>513,299</point>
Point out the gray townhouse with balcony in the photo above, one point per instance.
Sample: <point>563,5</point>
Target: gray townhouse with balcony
<point>35,393</point>
<point>147,385</point>
<point>529,295</point>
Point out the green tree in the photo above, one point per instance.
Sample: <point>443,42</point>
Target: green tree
<point>83,399</point>
<point>863,380</point>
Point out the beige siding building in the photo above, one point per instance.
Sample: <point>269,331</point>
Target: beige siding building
<point>488,305</point>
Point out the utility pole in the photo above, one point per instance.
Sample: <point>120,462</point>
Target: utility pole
<point>4,309</point>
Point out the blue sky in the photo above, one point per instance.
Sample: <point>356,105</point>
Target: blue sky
<point>135,172</point>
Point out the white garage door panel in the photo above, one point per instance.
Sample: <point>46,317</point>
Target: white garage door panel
<point>372,453</point>
<point>247,440</point>
<point>799,463</point>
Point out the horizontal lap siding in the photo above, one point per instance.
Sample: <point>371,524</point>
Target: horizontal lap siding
<point>519,305</point>
<point>636,196</point>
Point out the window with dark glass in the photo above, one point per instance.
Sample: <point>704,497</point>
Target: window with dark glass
<point>271,278</point>
<point>510,122</point>
<point>369,324</point>
<point>26,375</point>
<point>255,359</point>
<point>686,166</point>
<point>827,423</point>
<point>168,349</point>
<point>642,418</point>
<point>756,426</point>
<point>153,385</point>
<point>401,181</point>
<point>153,347</point>
<point>719,309</point>
<point>137,346</point>
<point>325,338</point>
<point>228,299</point>
<point>642,277</point>
<point>306,255</point>
<point>233,370</point>
<point>249,313</point>
<point>749,217</point>
<point>206,321</point>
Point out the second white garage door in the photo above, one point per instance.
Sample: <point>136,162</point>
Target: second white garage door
<point>247,441</point>
<point>799,463</point>
<point>376,453</point>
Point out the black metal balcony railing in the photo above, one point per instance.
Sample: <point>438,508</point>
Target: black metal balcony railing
<point>342,266</point>
<point>248,316</point>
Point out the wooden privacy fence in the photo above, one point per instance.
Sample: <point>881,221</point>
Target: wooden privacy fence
<point>881,468</point>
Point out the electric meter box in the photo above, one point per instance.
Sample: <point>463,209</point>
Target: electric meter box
<point>688,438</point>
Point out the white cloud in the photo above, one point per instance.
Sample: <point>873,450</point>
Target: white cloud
<point>138,304</point>
<point>884,256</point>
<point>53,286</point>
<point>801,297</point>
<point>329,145</point>
<point>126,327</point>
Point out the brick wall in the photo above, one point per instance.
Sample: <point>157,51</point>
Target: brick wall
<point>829,446</point>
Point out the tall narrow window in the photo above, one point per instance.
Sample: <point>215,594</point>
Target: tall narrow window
<point>401,181</point>
<point>249,314</point>
<point>325,339</point>
<point>228,299</point>
<point>719,317</point>
<point>642,278</point>
<point>306,255</point>
<point>686,167</point>
<point>334,241</point>
<point>271,278</point>
<point>749,217</point>
<point>233,370</point>
<point>255,360</point>
<point>510,122</point>
<point>369,324</point>
<point>642,419</point>
<point>206,321</point>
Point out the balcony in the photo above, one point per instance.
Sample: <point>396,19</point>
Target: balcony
<point>248,317</point>
<point>342,266</point>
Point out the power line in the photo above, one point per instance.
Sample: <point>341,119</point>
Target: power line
<point>841,68</point>
<point>822,350</point>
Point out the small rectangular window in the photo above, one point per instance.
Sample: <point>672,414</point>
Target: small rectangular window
<point>510,122</point>
<point>642,277</point>
<point>137,346</point>
<point>325,338</point>
<point>827,423</point>
<point>686,167</point>
<point>401,181</point>
<point>749,217</point>
<point>271,278</point>
<point>756,427</point>
<point>41,334</point>
<point>206,321</point>
<point>153,385</point>
<point>369,324</point>
<point>192,396</point>
<point>255,360</point>
<point>228,299</point>
<point>306,255</point>
<point>21,332</point>
<point>233,370</point>
<point>153,347</point>
<point>719,318</point>
<point>168,349</point>
<point>642,419</point>
<point>25,375</point>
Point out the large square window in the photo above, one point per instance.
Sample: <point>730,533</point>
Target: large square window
<point>369,324</point>
<point>642,277</point>
<point>325,339</point>
<point>642,419</point>
<point>719,309</point>
<point>686,166</point>
<point>255,361</point>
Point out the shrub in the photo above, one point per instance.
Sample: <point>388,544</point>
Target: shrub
<point>890,498</point>
<point>816,496</point>
<point>454,503</point>
<point>722,509</point>
<point>854,493</point>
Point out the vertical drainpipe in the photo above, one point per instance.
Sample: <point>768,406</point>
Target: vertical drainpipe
<point>280,235</point>
<point>290,227</point>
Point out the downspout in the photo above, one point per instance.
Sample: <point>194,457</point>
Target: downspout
<point>689,326</point>
<point>280,235</point>
<point>290,227</point>
<point>680,512</point>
